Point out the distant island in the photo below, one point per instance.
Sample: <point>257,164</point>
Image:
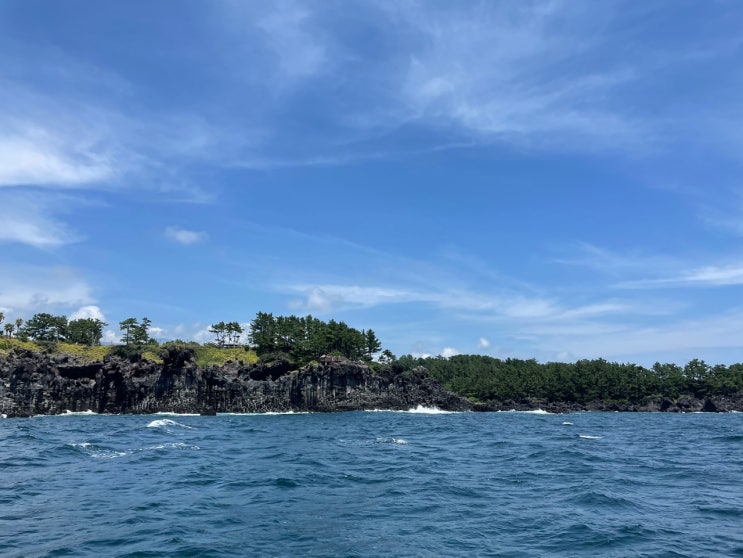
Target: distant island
<point>49,365</point>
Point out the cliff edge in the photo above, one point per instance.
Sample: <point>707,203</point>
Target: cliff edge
<point>34,383</point>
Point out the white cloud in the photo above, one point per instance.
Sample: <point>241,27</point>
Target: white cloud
<point>110,337</point>
<point>27,218</point>
<point>185,236</point>
<point>29,289</point>
<point>483,343</point>
<point>328,297</point>
<point>510,71</point>
<point>156,332</point>
<point>709,276</point>
<point>448,352</point>
<point>92,312</point>
<point>594,340</point>
<point>40,159</point>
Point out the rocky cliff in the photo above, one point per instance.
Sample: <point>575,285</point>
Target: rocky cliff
<point>34,383</point>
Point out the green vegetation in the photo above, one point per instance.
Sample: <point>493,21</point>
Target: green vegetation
<point>9,343</point>
<point>227,333</point>
<point>302,340</point>
<point>137,333</point>
<point>485,379</point>
<point>306,339</point>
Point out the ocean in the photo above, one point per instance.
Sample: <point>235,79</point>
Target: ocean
<point>358,484</point>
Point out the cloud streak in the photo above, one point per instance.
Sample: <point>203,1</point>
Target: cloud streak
<point>185,237</point>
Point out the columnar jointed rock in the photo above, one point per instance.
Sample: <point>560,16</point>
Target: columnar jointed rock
<point>35,383</point>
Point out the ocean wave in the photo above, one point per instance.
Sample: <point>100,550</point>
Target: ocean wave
<point>393,441</point>
<point>69,413</point>
<point>567,423</point>
<point>170,414</point>
<point>419,410</point>
<point>165,423</point>
<point>98,452</point>
<point>102,452</point>
<point>589,437</point>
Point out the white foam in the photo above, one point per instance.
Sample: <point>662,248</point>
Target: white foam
<point>587,437</point>
<point>3,415</point>
<point>395,441</point>
<point>169,414</point>
<point>164,423</point>
<point>77,413</point>
<point>566,423</point>
<point>172,445</point>
<point>421,410</point>
<point>98,453</point>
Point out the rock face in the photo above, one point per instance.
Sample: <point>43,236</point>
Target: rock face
<point>684,404</point>
<point>34,383</point>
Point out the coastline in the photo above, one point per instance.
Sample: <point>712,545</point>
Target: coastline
<point>34,383</point>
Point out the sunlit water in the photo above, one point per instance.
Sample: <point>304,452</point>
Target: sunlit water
<point>373,484</point>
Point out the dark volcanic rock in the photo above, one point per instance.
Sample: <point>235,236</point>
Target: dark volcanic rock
<point>36,383</point>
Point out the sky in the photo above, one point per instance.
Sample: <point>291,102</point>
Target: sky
<point>554,180</point>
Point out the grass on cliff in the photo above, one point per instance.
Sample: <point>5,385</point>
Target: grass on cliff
<point>204,355</point>
<point>208,355</point>
<point>9,343</point>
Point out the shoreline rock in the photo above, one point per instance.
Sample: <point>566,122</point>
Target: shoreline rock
<point>34,383</point>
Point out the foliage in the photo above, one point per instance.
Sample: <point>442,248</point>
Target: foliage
<point>45,327</point>
<point>137,333</point>
<point>7,344</point>
<point>483,378</point>
<point>85,331</point>
<point>226,333</point>
<point>308,338</point>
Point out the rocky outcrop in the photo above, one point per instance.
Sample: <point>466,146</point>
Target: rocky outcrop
<point>684,404</point>
<point>34,383</point>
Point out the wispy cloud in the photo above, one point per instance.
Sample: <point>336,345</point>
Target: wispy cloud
<point>185,236</point>
<point>26,289</point>
<point>36,157</point>
<point>29,218</point>
<point>709,276</point>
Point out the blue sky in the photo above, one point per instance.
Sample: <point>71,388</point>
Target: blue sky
<point>551,180</point>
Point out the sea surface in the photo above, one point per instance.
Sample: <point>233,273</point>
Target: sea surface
<point>420,483</point>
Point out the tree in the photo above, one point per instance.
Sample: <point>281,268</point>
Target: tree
<point>141,332</point>
<point>220,331</point>
<point>127,326</point>
<point>136,333</point>
<point>372,343</point>
<point>9,330</point>
<point>263,333</point>
<point>46,327</point>
<point>387,357</point>
<point>86,331</point>
<point>2,317</point>
<point>233,330</point>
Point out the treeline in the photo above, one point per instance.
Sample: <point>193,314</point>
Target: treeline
<point>293,338</point>
<point>46,327</point>
<point>488,379</point>
<point>304,339</point>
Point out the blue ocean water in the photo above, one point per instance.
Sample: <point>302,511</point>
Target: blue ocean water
<point>373,484</point>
